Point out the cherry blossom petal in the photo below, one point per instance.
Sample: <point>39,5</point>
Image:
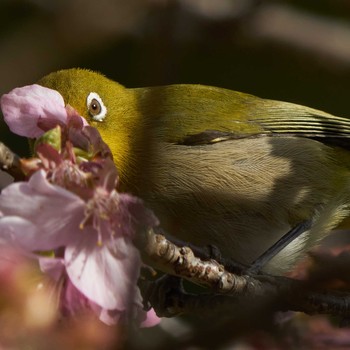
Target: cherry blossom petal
<point>72,301</point>
<point>151,319</point>
<point>109,317</point>
<point>106,274</point>
<point>55,211</point>
<point>132,215</point>
<point>18,232</point>
<point>53,267</point>
<point>26,107</point>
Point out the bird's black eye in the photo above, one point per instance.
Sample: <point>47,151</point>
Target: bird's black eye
<point>97,110</point>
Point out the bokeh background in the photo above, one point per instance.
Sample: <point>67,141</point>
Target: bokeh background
<point>297,51</point>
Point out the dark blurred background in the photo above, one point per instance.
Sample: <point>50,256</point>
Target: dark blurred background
<point>297,51</point>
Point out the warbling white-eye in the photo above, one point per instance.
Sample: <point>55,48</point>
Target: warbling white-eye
<point>220,167</point>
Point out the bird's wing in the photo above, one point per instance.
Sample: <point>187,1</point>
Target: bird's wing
<point>290,119</point>
<point>197,114</point>
<point>280,119</point>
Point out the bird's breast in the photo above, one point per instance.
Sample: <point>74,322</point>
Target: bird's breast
<point>240,195</point>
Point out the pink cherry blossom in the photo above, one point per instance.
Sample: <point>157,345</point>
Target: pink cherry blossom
<point>99,256</point>
<point>26,207</point>
<point>74,303</point>
<point>33,109</point>
<point>151,319</point>
<point>70,208</point>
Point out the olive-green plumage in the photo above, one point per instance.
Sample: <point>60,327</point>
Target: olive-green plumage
<point>222,167</point>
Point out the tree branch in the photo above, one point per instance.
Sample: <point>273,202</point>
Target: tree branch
<point>10,162</point>
<point>226,288</point>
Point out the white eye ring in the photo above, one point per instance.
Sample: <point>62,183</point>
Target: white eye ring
<point>101,110</point>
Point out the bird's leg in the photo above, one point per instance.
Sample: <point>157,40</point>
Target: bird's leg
<point>164,294</point>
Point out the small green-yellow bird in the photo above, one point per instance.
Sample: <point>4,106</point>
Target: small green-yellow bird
<point>220,167</point>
